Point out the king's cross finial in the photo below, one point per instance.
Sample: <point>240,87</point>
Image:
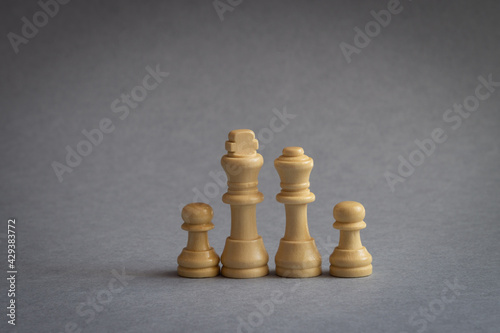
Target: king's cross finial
<point>242,142</point>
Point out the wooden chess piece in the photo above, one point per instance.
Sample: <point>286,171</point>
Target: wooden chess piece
<point>244,255</point>
<point>198,259</point>
<point>350,258</point>
<point>297,254</point>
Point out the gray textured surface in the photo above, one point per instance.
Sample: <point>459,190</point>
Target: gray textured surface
<point>119,209</point>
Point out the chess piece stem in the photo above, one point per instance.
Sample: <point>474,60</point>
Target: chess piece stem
<point>243,219</point>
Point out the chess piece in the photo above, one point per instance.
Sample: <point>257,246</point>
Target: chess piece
<point>244,254</point>
<point>297,254</point>
<point>350,258</point>
<point>198,259</point>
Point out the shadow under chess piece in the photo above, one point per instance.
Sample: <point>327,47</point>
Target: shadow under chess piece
<point>350,258</point>
<point>198,259</point>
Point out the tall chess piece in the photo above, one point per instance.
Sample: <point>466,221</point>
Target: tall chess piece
<point>244,254</point>
<point>297,254</point>
<point>198,259</point>
<point>350,258</point>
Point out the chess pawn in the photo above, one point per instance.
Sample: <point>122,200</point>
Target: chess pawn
<point>350,258</point>
<point>244,254</point>
<point>198,259</point>
<point>297,254</point>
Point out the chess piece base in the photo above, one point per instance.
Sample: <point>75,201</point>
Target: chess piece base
<point>351,272</point>
<point>244,259</point>
<point>198,272</point>
<point>298,259</point>
<point>198,264</point>
<point>298,273</point>
<point>245,273</point>
<point>350,263</point>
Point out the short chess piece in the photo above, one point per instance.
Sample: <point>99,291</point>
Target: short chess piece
<point>297,254</point>
<point>350,258</point>
<point>244,254</point>
<point>198,259</point>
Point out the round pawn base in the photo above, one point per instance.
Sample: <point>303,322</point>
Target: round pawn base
<point>351,272</point>
<point>198,272</point>
<point>198,264</point>
<point>245,273</point>
<point>298,273</point>
<point>350,263</point>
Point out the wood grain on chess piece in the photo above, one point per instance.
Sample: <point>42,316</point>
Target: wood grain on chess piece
<point>244,255</point>
<point>350,258</point>
<point>198,259</point>
<point>297,254</point>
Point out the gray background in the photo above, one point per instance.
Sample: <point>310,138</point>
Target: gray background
<point>119,209</point>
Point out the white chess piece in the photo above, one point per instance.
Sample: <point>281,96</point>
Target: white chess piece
<point>244,255</point>
<point>297,254</point>
<point>350,258</point>
<point>198,259</point>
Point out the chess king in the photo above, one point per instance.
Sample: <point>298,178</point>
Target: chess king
<point>244,255</point>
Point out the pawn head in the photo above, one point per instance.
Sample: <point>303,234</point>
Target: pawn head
<point>197,213</point>
<point>349,211</point>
